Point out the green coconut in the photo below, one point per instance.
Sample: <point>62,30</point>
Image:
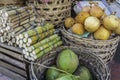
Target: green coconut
<point>61,75</point>
<point>68,77</point>
<point>52,74</point>
<point>85,74</point>
<point>68,61</point>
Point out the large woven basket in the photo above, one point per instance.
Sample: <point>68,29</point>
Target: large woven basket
<point>54,11</point>
<point>97,67</point>
<point>105,49</point>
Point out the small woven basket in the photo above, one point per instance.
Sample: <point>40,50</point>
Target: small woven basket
<point>53,11</point>
<point>97,67</point>
<point>105,49</point>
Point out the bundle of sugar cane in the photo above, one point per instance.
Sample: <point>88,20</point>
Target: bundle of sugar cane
<point>33,36</point>
<point>15,20</point>
<point>12,35</point>
<point>2,10</point>
<point>3,27</point>
<point>46,40</point>
<point>42,47</point>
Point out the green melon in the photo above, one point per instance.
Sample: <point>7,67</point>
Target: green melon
<point>68,61</point>
<point>52,74</point>
<point>67,77</point>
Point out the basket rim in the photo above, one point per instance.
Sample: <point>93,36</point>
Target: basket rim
<point>63,30</point>
<point>64,47</point>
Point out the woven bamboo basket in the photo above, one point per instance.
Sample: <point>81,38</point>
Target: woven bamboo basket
<point>54,11</point>
<point>97,67</point>
<point>105,49</point>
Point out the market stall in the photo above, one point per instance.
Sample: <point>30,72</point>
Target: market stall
<point>58,39</point>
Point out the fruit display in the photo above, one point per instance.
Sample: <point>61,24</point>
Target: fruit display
<point>93,19</point>
<point>67,68</point>
<point>54,53</point>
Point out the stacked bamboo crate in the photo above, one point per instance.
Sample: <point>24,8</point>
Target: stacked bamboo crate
<point>12,63</point>
<point>13,21</point>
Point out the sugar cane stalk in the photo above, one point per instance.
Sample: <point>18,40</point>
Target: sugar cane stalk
<point>42,47</point>
<point>36,38</point>
<point>38,30</point>
<point>48,49</point>
<point>42,42</point>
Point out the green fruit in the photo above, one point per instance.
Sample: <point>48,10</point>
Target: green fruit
<point>67,77</point>
<point>68,61</point>
<point>85,74</point>
<point>52,74</point>
<point>61,75</point>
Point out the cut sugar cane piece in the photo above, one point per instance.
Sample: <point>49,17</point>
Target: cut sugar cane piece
<point>20,46</point>
<point>24,40</point>
<point>24,46</point>
<point>28,44</point>
<point>21,42</point>
<point>24,52</point>
<point>21,36</point>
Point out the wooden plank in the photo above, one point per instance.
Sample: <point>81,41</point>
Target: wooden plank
<point>16,49</point>
<point>13,68</point>
<point>12,54</point>
<point>11,74</point>
<point>12,61</point>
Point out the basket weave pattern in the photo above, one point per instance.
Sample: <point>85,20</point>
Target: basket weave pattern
<point>54,11</point>
<point>93,62</point>
<point>9,2</point>
<point>105,49</point>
